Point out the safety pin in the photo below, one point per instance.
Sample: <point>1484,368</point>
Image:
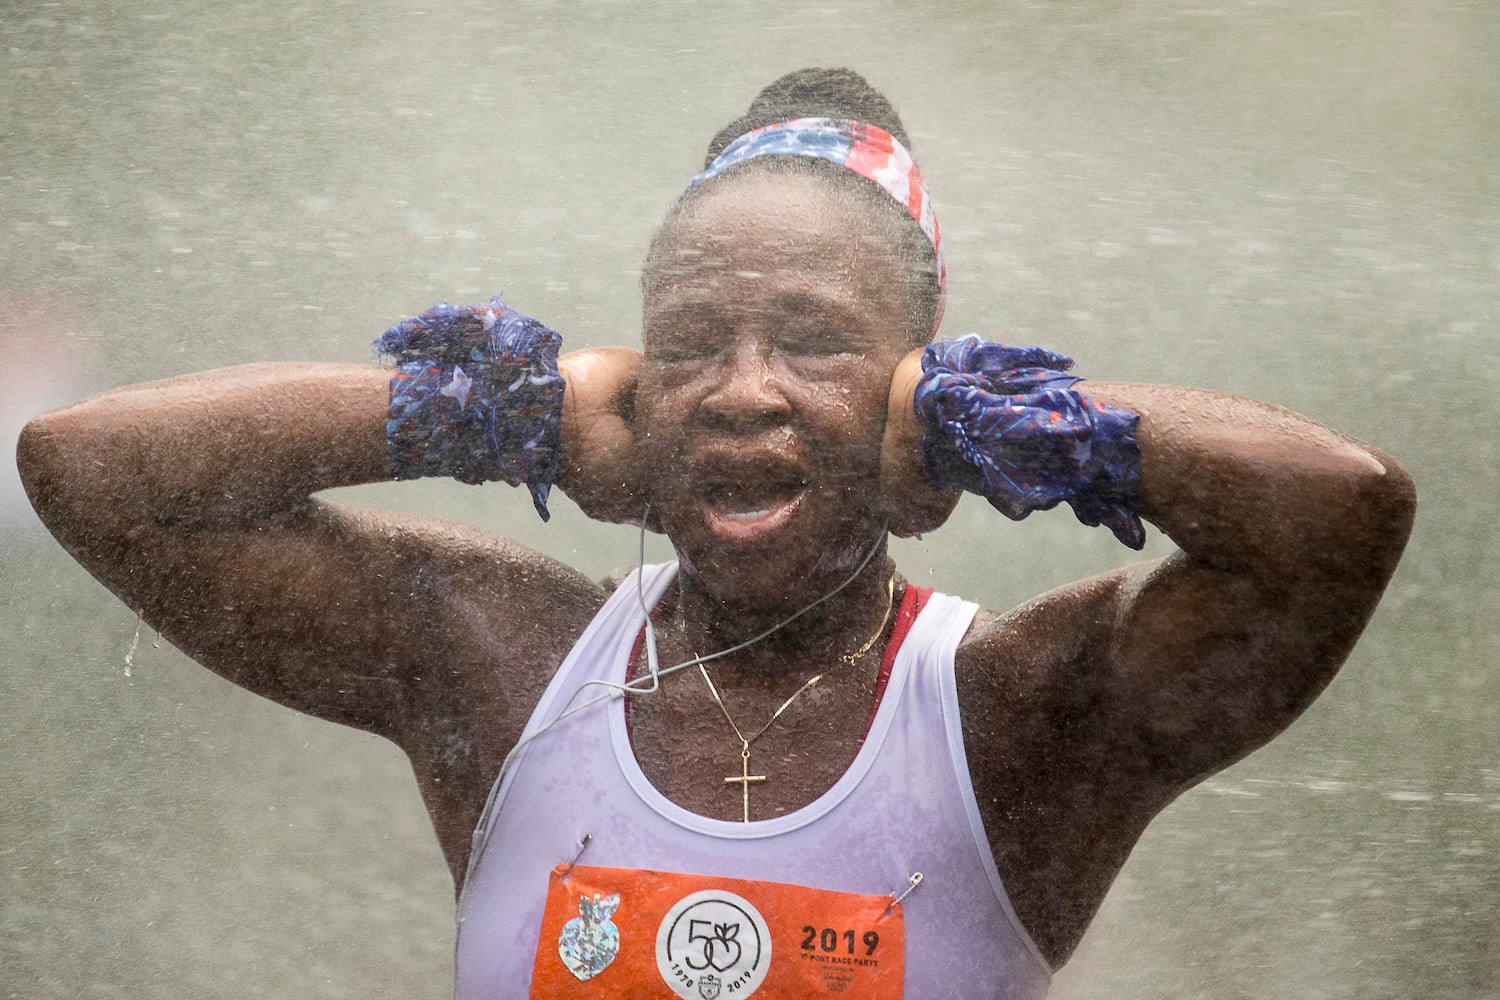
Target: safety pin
<point>916,880</point>
<point>583,845</point>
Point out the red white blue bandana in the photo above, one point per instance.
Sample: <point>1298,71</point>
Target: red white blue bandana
<point>869,151</point>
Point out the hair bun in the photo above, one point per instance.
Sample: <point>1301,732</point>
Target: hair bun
<point>813,93</point>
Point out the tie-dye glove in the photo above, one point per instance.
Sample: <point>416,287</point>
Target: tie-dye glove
<point>1006,423</point>
<point>476,396</point>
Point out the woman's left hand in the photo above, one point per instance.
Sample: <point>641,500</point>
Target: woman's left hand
<point>913,504</point>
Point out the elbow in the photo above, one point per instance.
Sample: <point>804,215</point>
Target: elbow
<point>53,474</point>
<point>1383,509</point>
<point>1393,495</point>
<point>38,462</point>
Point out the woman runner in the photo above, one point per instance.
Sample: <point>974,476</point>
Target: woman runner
<point>745,821</point>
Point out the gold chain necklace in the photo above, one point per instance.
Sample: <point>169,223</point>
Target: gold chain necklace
<point>745,778</point>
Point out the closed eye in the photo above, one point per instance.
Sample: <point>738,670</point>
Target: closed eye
<point>816,327</point>
<point>816,342</point>
<point>689,331</point>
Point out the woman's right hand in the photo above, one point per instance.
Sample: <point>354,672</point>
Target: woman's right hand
<point>598,461</point>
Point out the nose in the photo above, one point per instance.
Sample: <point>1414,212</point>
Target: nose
<point>750,391</point>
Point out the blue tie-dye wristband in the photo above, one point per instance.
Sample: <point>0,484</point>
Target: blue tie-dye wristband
<point>1006,423</point>
<point>476,396</point>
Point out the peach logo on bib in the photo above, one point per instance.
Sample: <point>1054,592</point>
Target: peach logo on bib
<point>713,943</point>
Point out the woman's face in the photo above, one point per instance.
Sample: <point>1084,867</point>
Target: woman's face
<point>775,313</point>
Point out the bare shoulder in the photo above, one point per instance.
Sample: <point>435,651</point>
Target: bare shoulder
<point>484,611</point>
<point>494,619</point>
<point>1038,650</point>
<point>1037,694</point>
<point>484,622</point>
<point>1060,811</point>
<point>479,563</point>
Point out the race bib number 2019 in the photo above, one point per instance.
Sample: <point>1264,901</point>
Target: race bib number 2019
<point>621,932</point>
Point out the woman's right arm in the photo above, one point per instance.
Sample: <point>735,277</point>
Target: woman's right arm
<point>215,450</point>
<point>192,500</point>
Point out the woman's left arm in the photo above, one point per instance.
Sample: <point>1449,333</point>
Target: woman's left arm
<point>1288,533</point>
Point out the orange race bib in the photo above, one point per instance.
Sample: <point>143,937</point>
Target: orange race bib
<point>622,932</point>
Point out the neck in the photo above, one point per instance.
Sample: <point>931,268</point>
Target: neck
<point>707,621</point>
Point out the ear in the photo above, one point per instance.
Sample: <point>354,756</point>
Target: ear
<point>914,506</point>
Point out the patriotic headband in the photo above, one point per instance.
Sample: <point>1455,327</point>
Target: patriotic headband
<point>869,151</point>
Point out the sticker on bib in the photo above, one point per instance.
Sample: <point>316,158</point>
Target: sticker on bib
<point>625,932</point>
<point>589,942</point>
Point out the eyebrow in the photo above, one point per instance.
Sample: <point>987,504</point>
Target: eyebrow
<point>789,302</point>
<point>691,309</point>
<point>704,309</point>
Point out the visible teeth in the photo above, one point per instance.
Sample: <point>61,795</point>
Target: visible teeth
<point>747,515</point>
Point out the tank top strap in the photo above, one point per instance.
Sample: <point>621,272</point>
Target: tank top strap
<point>932,707</point>
<point>619,618</point>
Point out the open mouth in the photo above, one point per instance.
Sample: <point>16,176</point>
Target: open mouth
<point>746,507</point>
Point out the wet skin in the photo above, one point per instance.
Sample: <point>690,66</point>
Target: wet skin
<point>772,333</point>
<point>770,341</point>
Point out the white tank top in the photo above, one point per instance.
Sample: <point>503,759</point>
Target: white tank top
<point>905,805</point>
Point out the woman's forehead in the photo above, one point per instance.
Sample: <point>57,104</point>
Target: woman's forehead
<point>799,200</point>
<point>773,272</point>
<point>778,225</point>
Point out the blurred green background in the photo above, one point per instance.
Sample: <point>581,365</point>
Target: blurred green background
<point>1291,201</point>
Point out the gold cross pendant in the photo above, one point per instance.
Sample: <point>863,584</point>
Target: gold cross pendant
<point>744,779</point>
